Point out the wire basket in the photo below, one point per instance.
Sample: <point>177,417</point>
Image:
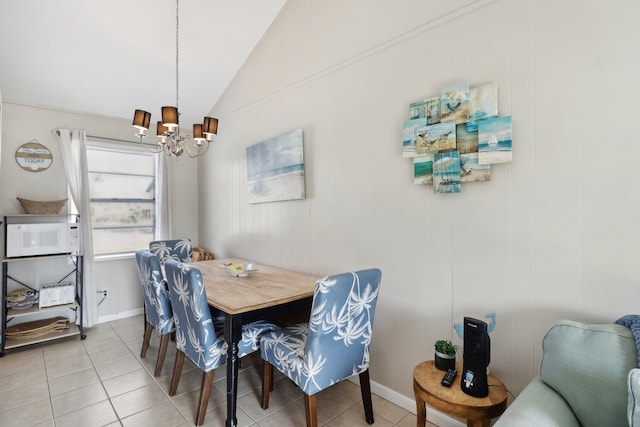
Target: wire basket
<point>42,208</point>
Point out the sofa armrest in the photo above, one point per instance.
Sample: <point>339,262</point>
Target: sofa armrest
<point>538,405</point>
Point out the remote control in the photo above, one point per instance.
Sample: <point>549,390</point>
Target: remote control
<point>448,378</point>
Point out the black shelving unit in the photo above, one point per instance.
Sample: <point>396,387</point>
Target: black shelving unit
<point>76,271</point>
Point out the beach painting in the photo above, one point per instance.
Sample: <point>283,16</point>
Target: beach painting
<point>454,102</point>
<point>483,104</point>
<point>432,110</point>
<point>494,140</point>
<point>275,169</point>
<point>441,136</point>
<point>423,169</point>
<point>409,135</point>
<point>417,110</point>
<point>446,172</point>
<point>471,170</point>
<point>466,142</point>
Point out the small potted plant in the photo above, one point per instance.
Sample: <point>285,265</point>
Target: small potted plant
<point>445,355</point>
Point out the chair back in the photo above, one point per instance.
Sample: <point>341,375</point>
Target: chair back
<point>175,249</point>
<point>195,334</point>
<point>341,324</point>
<point>156,298</point>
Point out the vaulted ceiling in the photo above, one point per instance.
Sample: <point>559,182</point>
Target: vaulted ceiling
<point>112,57</point>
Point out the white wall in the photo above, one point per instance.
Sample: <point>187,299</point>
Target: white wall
<point>553,235</point>
<point>23,123</point>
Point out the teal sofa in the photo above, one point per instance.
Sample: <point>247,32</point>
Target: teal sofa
<point>588,378</point>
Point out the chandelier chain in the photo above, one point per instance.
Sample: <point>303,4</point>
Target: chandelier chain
<point>177,50</point>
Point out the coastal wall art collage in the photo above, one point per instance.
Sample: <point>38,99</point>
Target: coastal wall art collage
<point>456,137</point>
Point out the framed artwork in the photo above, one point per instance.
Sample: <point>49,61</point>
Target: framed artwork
<point>483,104</point>
<point>441,136</point>
<point>471,170</point>
<point>454,102</point>
<point>275,169</point>
<point>417,110</point>
<point>494,140</point>
<point>409,136</point>
<point>423,169</point>
<point>446,172</point>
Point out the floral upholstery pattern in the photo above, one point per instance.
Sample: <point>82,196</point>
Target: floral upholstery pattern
<point>334,345</point>
<point>156,297</point>
<point>176,249</point>
<point>157,308</point>
<point>196,334</point>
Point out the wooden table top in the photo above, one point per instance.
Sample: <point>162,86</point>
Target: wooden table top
<point>266,287</point>
<point>452,399</point>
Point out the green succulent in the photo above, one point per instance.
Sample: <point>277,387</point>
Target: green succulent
<point>446,347</point>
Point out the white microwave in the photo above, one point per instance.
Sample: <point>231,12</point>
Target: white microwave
<point>45,238</point>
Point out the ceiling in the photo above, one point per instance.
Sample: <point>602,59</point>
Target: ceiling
<point>112,57</point>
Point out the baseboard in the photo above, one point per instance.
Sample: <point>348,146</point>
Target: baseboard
<point>121,315</point>
<point>433,416</point>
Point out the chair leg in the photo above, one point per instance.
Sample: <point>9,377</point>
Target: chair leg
<point>145,339</point>
<point>311,410</point>
<point>205,391</point>
<point>365,390</point>
<point>267,383</point>
<point>177,371</point>
<point>164,342</point>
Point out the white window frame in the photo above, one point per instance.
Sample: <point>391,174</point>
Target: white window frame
<point>120,146</point>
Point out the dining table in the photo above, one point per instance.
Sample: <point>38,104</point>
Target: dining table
<point>261,292</point>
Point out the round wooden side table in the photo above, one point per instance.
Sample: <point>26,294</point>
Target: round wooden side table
<point>478,411</point>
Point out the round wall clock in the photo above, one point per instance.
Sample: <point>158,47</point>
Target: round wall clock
<point>33,156</point>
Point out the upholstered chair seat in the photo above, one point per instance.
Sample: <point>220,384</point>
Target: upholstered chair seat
<point>332,346</point>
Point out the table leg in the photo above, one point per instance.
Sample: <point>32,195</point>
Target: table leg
<point>421,409</point>
<point>232,335</point>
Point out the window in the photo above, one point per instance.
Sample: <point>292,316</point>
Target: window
<point>122,188</point>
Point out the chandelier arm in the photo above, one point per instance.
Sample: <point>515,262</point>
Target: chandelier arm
<point>200,149</point>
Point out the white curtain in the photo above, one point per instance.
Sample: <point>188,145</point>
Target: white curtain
<point>73,146</point>
<point>163,211</point>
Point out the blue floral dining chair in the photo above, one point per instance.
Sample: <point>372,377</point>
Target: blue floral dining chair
<point>333,346</point>
<point>196,335</point>
<point>175,249</point>
<point>158,313</point>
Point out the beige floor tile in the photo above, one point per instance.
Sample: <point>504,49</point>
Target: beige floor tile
<point>110,355</point>
<point>99,332</point>
<point>21,359</point>
<point>33,413</point>
<point>291,415</point>
<point>96,415</point>
<point>138,400</point>
<point>188,403</point>
<point>216,416</point>
<point>251,403</point>
<point>65,383</point>
<point>93,345</point>
<point>77,399</point>
<point>354,417</point>
<point>163,415</point>
<point>118,367</point>
<point>127,382</point>
<point>23,396</point>
<point>384,408</point>
<point>73,364</point>
<point>22,378</point>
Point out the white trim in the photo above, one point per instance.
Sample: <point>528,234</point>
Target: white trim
<point>121,315</point>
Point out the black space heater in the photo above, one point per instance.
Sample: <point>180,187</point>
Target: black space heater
<point>476,356</point>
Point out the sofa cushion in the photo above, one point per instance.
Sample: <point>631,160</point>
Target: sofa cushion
<point>633,409</point>
<point>588,366</point>
<point>538,405</point>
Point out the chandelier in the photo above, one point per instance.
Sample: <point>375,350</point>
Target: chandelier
<point>172,143</point>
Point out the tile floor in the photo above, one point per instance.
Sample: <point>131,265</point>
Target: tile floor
<point>102,381</point>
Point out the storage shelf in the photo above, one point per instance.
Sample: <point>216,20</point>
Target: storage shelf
<point>39,257</point>
<point>15,343</point>
<point>11,313</point>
